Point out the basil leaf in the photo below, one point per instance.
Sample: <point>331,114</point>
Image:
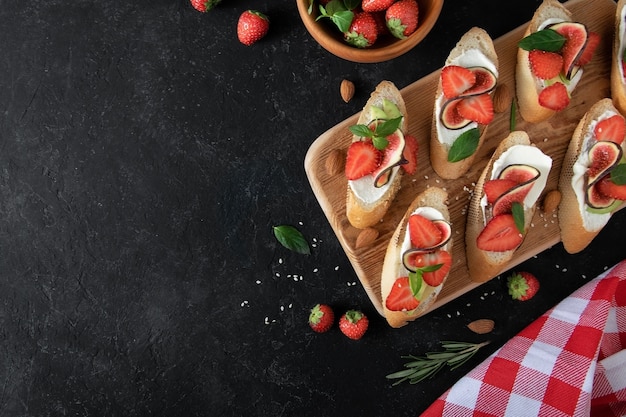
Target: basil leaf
<point>545,40</point>
<point>464,146</point>
<point>292,239</point>
<point>618,175</point>
<point>415,282</point>
<point>518,216</point>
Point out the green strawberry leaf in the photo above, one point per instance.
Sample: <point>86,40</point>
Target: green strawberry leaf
<point>292,239</point>
<point>545,40</point>
<point>464,146</point>
<point>352,4</point>
<point>518,216</point>
<point>618,174</point>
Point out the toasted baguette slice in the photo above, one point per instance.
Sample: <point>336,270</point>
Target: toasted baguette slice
<point>362,214</point>
<point>474,39</point>
<point>393,268</point>
<point>526,83</point>
<point>618,84</point>
<point>484,265</point>
<point>574,235</point>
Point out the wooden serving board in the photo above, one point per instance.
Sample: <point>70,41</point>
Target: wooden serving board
<point>551,136</point>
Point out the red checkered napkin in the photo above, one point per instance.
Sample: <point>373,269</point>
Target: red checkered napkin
<point>569,362</point>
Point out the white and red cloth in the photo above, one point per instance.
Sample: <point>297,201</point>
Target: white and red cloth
<point>569,362</point>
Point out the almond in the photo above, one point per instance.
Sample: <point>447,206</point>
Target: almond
<point>551,201</point>
<point>366,237</point>
<point>501,98</point>
<point>481,326</point>
<point>347,90</point>
<point>335,162</point>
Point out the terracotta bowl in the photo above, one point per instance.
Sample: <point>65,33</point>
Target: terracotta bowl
<point>329,37</point>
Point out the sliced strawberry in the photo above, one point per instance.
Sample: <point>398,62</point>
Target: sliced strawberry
<point>554,97</point>
<point>608,188</point>
<point>545,65</point>
<point>423,232</point>
<point>612,128</point>
<point>593,40</point>
<point>429,259</point>
<point>477,108</point>
<point>455,80</point>
<point>500,235</point>
<point>401,297</point>
<point>495,188</point>
<point>410,154</point>
<point>362,159</point>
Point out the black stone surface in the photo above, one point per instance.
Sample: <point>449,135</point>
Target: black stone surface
<point>144,157</point>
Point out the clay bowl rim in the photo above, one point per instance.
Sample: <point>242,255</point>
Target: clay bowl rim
<point>330,38</point>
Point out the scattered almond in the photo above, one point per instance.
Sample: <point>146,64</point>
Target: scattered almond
<point>366,237</point>
<point>501,98</point>
<point>335,162</point>
<point>481,326</point>
<point>551,201</point>
<point>347,90</point>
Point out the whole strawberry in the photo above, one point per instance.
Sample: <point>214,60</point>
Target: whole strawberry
<point>363,30</point>
<point>353,324</point>
<point>252,26</point>
<point>402,18</point>
<point>204,5</point>
<point>522,286</point>
<point>321,318</point>
<point>376,5</point>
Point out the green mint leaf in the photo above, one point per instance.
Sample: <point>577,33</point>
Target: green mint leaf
<point>342,20</point>
<point>310,8</point>
<point>292,239</point>
<point>545,40</point>
<point>415,282</point>
<point>361,131</point>
<point>380,142</point>
<point>464,146</point>
<point>518,216</point>
<point>618,175</point>
<point>388,127</point>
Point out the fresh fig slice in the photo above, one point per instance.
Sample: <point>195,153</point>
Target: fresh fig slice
<point>517,194</point>
<point>603,156</point>
<point>519,173</point>
<point>450,117</point>
<point>576,36</point>
<point>393,156</point>
<point>485,81</point>
<point>596,200</point>
<point>524,176</point>
<point>446,234</point>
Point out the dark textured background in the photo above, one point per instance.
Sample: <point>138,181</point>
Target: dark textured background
<point>144,157</point>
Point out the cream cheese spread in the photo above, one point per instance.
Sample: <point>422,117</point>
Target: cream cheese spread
<point>591,221</point>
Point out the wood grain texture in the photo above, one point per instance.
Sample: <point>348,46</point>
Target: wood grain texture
<point>551,136</point>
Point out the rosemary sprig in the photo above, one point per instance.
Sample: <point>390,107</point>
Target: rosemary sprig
<point>419,368</point>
